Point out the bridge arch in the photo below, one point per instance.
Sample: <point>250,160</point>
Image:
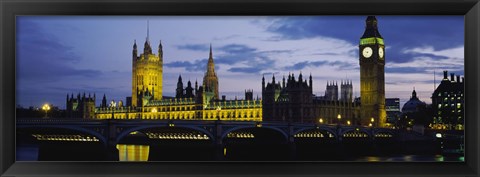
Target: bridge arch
<point>94,133</point>
<point>128,131</point>
<point>356,129</point>
<point>227,131</point>
<point>320,128</point>
<point>389,132</point>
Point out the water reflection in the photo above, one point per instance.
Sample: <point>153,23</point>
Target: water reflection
<point>413,158</point>
<point>132,152</point>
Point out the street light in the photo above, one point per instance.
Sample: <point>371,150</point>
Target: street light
<point>154,110</point>
<point>320,120</point>
<point>46,108</point>
<point>348,122</point>
<point>339,117</point>
<point>372,120</point>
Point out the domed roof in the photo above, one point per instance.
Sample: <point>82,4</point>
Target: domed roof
<point>412,104</point>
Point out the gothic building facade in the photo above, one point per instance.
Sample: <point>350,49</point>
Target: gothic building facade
<point>147,74</point>
<point>293,101</point>
<point>290,101</point>
<point>147,102</point>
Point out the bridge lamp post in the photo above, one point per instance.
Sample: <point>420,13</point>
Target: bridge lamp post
<point>46,108</point>
<point>339,117</point>
<point>154,110</point>
<point>372,120</point>
<point>218,112</point>
<point>348,122</point>
<point>320,120</point>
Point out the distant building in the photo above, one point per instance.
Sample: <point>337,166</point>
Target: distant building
<point>331,93</point>
<point>392,106</point>
<point>81,106</point>
<point>448,103</point>
<point>184,92</point>
<point>414,112</point>
<point>414,104</point>
<point>346,91</point>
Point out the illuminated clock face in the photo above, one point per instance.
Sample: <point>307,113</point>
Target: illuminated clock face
<point>380,52</point>
<point>367,52</point>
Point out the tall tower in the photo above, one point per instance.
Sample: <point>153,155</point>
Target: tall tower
<point>210,80</point>
<point>372,75</point>
<point>147,73</point>
<point>346,91</point>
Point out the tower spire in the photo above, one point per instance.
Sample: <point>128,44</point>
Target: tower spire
<point>434,81</point>
<point>210,51</point>
<point>148,30</point>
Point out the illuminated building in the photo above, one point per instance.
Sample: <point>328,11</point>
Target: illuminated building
<point>210,80</point>
<point>147,101</point>
<point>448,102</point>
<point>147,73</point>
<point>372,74</point>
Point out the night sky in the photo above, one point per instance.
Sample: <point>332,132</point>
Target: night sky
<point>59,55</point>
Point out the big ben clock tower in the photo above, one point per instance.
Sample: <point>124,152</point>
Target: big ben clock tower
<point>372,75</point>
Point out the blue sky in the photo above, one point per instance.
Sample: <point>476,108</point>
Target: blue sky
<point>60,55</point>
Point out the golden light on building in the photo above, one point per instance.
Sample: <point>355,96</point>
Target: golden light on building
<point>320,120</point>
<point>348,122</point>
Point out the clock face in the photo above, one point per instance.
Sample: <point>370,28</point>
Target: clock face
<point>367,52</point>
<point>380,52</point>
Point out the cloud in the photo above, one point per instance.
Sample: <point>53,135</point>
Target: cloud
<point>238,58</point>
<point>44,57</point>
<point>194,47</point>
<point>245,69</point>
<point>399,32</point>
<point>312,63</point>
<point>427,60</point>
<point>197,65</point>
<point>237,48</point>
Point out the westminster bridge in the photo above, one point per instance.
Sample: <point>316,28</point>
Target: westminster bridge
<point>242,138</point>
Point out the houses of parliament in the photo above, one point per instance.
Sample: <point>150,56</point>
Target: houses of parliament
<point>291,100</point>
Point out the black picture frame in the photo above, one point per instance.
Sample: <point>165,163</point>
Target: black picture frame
<point>10,9</point>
